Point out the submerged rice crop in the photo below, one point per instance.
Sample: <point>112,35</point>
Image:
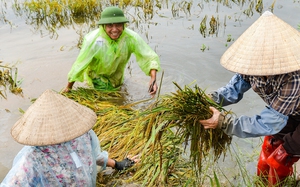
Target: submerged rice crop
<point>8,81</point>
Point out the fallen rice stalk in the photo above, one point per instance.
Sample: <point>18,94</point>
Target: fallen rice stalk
<point>157,135</point>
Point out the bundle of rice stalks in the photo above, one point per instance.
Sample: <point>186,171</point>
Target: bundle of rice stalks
<point>182,111</point>
<point>157,134</point>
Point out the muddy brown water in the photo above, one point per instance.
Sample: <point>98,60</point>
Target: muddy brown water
<point>43,62</point>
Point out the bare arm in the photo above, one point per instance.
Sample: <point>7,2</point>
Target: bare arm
<point>69,87</point>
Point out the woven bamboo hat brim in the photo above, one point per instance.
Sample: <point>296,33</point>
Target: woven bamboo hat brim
<point>53,119</point>
<point>269,46</point>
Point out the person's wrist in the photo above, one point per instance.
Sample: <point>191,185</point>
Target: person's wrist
<point>224,120</point>
<point>118,165</point>
<point>115,164</point>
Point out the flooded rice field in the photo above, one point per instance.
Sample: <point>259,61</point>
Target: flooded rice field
<point>189,36</point>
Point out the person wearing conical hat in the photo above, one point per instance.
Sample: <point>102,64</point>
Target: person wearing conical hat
<point>265,58</point>
<point>61,147</point>
<point>106,51</point>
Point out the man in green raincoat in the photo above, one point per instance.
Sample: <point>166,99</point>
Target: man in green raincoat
<point>106,51</point>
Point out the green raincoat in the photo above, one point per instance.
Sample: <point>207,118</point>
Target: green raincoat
<point>102,61</point>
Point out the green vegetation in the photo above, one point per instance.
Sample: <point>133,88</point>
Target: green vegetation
<point>8,81</point>
<point>82,15</point>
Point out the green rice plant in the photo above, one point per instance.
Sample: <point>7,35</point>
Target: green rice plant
<point>249,10</point>
<point>214,181</point>
<point>213,23</point>
<point>203,47</point>
<point>202,28</point>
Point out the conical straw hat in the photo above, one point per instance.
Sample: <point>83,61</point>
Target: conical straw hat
<point>269,46</point>
<point>52,119</point>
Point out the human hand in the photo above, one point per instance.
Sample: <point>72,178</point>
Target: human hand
<point>212,122</point>
<point>66,90</point>
<point>68,87</point>
<point>152,87</point>
<point>135,158</point>
<point>126,163</point>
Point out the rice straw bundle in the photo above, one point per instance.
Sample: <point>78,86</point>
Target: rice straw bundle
<point>157,135</point>
<point>183,110</point>
<point>119,131</point>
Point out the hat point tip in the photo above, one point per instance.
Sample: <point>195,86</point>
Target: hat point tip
<point>267,13</point>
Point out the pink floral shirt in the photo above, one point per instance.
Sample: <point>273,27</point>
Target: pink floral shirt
<point>71,163</point>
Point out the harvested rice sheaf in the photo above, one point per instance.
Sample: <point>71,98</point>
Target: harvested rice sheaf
<point>183,110</point>
<point>160,134</point>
